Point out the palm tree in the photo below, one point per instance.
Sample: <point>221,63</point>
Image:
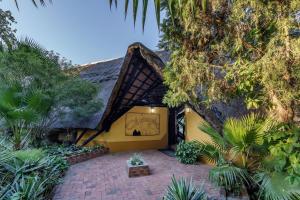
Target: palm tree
<point>239,156</point>
<point>20,108</point>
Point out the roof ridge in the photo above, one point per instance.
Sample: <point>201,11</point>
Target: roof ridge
<point>100,61</point>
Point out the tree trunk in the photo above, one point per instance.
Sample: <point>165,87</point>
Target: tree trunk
<point>281,112</point>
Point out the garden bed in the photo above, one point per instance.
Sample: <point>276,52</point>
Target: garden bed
<point>84,156</point>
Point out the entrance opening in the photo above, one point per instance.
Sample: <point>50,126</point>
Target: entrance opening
<point>180,126</point>
<point>176,126</point>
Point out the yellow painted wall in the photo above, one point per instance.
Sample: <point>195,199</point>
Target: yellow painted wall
<point>192,131</point>
<point>116,140</point>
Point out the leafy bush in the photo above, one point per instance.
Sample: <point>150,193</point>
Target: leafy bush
<point>284,151</point>
<point>25,176</point>
<point>188,152</point>
<point>184,190</point>
<point>136,159</point>
<point>281,168</point>
<point>30,155</point>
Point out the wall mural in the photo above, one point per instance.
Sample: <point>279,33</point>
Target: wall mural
<point>141,124</point>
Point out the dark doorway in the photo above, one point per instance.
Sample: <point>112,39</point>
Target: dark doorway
<point>180,126</point>
<point>176,125</point>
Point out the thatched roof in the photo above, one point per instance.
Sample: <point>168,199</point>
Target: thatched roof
<point>136,79</point>
<point>109,76</point>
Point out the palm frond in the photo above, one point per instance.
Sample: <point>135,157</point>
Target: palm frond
<point>266,126</point>
<point>157,11</point>
<point>228,176</point>
<point>35,3</point>
<point>32,44</point>
<point>17,4</point>
<point>217,139</point>
<point>135,4</point>
<point>126,7</point>
<point>276,187</point>
<point>211,153</point>
<point>243,133</point>
<point>145,7</point>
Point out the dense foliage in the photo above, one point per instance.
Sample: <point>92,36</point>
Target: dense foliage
<point>252,154</point>
<point>66,151</point>
<point>33,173</point>
<point>284,151</point>
<point>29,174</point>
<point>188,152</point>
<point>246,48</point>
<point>35,92</point>
<point>183,189</point>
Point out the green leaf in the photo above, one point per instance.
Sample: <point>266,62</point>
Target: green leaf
<point>276,187</point>
<point>145,7</point>
<point>126,7</point>
<point>110,3</point>
<point>135,10</point>
<point>157,11</point>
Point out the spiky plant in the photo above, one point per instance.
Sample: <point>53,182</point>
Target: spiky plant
<point>184,189</point>
<point>136,159</point>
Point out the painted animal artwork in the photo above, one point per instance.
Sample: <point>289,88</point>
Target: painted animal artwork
<point>141,124</point>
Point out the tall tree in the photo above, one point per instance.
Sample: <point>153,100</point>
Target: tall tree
<point>7,33</point>
<point>248,48</point>
<point>34,69</point>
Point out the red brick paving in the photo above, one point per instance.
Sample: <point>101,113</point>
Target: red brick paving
<point>106,178</point>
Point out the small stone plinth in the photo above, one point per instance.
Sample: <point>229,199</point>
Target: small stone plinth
<point>86,156</point>
<point>137,170</point>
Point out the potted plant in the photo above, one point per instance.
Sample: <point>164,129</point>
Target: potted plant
<point>136,166</point>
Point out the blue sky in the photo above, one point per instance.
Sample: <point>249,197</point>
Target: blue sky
<point>83,31</point>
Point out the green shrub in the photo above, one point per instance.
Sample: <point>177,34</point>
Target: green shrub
<point>188,152</point>
<point>30,174</point>
<point>66,151</point>
<point>30,155</point>
<point>28,187</point>
<point>184,190</point>
<point>284,151</point>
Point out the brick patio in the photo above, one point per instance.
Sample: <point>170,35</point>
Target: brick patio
<point>105,178</point>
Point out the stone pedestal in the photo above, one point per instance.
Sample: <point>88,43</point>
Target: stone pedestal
<point>137,170</point>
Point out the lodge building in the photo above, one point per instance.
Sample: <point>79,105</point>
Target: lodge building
<point>134,116</point>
